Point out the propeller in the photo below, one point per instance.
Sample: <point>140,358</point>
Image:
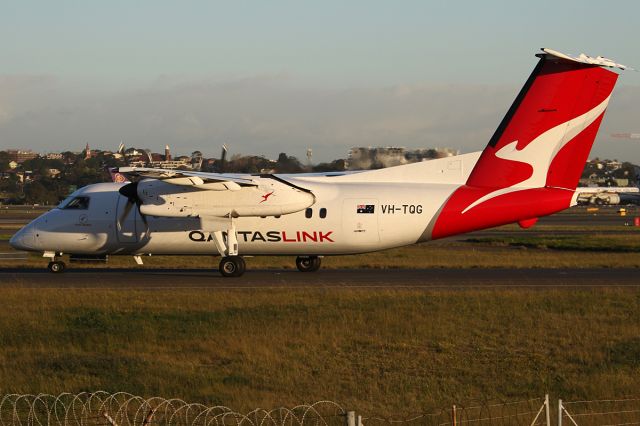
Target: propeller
<point>130,191</point>
<point>223,157</point>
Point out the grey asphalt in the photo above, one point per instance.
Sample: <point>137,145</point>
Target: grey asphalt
<point>358,278</point>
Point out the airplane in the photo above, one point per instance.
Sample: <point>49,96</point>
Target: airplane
<point>530,168</point>
<point>610,195</point>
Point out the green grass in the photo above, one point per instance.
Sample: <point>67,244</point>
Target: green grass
<point>628,243</point>
<point>376,351</point>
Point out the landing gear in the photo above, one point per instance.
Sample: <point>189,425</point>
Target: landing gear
<point>232,266</point>
<point>56,266</point>
<point>308,263</point>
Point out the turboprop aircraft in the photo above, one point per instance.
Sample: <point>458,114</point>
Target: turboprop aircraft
<point>530,168</point>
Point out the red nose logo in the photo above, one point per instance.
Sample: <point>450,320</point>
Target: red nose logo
<point>265,197</point>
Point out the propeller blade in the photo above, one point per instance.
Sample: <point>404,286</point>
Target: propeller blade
<point>223,157</point>
<point>125,213</point>
<point>130,191</point>
<point>144,220</point>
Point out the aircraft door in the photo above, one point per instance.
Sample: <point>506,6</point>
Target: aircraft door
<point>127,230</point>
<point>360,220</point>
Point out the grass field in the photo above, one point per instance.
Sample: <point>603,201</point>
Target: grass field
<point>376,351</point>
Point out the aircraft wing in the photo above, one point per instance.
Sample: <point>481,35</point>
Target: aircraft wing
<point>200,180</point>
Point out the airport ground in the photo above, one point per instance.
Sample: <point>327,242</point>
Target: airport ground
<point>402,331</point>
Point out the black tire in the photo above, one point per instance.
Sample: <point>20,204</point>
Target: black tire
<point>308,263</point>
<point>232,266</point>
<point>57,266</point>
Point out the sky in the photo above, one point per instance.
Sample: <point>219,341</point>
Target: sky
<point>266,77</point>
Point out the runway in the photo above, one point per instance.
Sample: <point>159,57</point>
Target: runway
<point>352,278</point>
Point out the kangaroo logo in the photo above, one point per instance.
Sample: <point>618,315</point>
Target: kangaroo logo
<point>265,197</point>
<point>540,152</point>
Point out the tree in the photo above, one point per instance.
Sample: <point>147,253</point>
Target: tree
<point>4,161</point>
<point>288,164</point>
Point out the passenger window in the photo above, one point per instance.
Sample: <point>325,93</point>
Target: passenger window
<point>308,213</point>
<point>78,203</point>
<point>323,213</point>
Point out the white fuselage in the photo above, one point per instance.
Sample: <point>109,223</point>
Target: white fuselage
<point>354,213</point>
<point>399,216</point>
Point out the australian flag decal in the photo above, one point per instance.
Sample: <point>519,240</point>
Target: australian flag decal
<point>365,208</point>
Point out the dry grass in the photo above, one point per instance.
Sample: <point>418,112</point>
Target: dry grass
<point>379,351</point>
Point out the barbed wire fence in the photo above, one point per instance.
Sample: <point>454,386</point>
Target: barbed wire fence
<point>603,412</point>
<point>532,412</point>
<point>124,409</point>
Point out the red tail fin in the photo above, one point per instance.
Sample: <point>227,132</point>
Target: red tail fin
<point>116,176</point>
<point>546,136</point>
<point>535,158</point>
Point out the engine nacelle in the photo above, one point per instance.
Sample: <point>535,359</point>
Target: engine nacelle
<point>598,198</point>
<point>270,198</point>
<point>609,198</point>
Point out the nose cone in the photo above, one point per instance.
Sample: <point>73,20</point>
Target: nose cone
<point>24,239</point>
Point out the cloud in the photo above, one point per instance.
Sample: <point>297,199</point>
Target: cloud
<point>267,115</point>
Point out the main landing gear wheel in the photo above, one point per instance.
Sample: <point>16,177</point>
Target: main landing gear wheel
<point>232,266</point>
<point>308,263</point>
<point>57,266</point>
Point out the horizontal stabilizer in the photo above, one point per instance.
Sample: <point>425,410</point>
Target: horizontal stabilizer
<point>585,59</point>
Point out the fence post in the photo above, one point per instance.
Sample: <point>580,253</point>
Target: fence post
<point>560,412</point>
<point>351,418</point>
<point>109,419</point>
<point>454,420</point>
<point>546,404</point>
<point>359,420</point>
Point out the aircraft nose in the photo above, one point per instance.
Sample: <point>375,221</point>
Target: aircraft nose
<point>24,239</point>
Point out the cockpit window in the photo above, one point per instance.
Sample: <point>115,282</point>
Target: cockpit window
<point>75,203</point>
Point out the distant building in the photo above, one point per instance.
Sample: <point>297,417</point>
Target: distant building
<point>155,157</point>
<point>20,156</point>
<point>133,152</point>
<point>613,165</point>
<point>167,153</point>
<point>54,156</point>
<point>87,152</point>
<point>361,158</point>
<point>179,163</point>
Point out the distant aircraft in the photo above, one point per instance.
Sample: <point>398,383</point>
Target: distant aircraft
<point>116,176</point>
<point>529,169</point>
<point>612,195</point>
<point>608,196</point>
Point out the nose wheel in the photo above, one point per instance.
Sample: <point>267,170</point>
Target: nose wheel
<point>232,266</point>
<point>308,263</point>
<point>57,266</point>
